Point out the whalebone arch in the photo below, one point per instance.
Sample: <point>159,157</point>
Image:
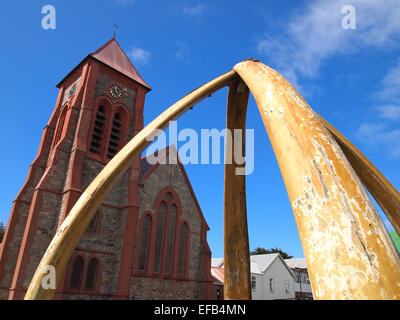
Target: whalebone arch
<point>348,251</point>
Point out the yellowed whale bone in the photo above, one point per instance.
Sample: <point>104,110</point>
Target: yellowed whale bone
<point>348,251</point>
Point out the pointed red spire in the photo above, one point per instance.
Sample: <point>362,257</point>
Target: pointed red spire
<point>112,55</point>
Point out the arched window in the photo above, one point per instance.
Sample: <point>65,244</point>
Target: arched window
<point>170,239</point>
<point>98,130</point>
<point>182,249</point>
<point>91,274</point>
<point>115,136</point>
<point>60,125</point>
<point>94,223</point>
<point>145,243</point>
<point>159,246</point>
<point>77,272</point>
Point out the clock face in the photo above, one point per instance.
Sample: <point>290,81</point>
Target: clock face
<point>115,91</point>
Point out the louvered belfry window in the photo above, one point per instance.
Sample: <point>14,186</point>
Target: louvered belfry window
<point>115,136</point>
<point>98,131</point>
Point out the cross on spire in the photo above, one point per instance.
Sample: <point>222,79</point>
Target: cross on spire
<point>115,30</point>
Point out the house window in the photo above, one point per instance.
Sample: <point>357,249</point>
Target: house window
<point>115,136</point>
<point>307,278</point>
<point>253,282</point>
<point>171,239</point>
<point>297,277</point>
<point>159,246</point>
<point>91,274</point>
<point>98,131</point>
<point>182,249</point>
<point>286,286</point>
<point>271,285</point>
<point>77,272</point>
<point>145,243</point>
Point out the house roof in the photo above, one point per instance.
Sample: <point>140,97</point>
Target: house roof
<point>263,260</point>
<point>112,55</point>
<point>217,274</point>
<point>254,268</point>
<point>298,263</point>
<point>258,263</point>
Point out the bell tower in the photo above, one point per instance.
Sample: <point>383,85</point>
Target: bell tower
<point>99,108</point>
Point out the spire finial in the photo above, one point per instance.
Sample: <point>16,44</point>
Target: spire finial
<point>115,30</point>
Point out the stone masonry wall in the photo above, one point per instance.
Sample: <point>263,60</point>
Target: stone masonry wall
<point>151,288</point>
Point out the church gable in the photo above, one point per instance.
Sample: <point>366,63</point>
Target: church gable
<point>158,176</point>
<point>165,195</point>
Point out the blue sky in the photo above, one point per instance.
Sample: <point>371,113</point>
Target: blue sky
<point>351,77</point>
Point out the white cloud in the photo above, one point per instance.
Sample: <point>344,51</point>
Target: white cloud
<point>182,51</point>
<point>389,112</point>
<point>139,55</point>
<point>390,87</point>
<point>315,33</point>
<point>380,137</point>
<point>195,11</point>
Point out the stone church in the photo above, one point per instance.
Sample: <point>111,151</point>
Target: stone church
<point>148,239</point>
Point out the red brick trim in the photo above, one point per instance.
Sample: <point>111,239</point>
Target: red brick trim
<point>94,251</point>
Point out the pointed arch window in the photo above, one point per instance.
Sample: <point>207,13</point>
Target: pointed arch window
<point>77,272</point>
<point>170,238</point>
<point>145,243</point>
<point>159,246</point>
<point>115,136</point>
<point>182,249</point>
<point>91,274</point>
<point>93,226</point>
<point>98,130</point>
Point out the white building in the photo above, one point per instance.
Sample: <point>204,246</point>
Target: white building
<point>271,278</point>
<point>302,283</point>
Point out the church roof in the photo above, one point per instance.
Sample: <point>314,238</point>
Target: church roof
<point>112,55</point>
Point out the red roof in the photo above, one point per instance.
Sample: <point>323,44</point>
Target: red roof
<point>112,55</point>
<point>217,274</point>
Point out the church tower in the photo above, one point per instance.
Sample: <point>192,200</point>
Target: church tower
<point>142,240</point>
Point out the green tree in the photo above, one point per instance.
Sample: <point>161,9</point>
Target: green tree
<point>260,250</point>
<point>2,231</point>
